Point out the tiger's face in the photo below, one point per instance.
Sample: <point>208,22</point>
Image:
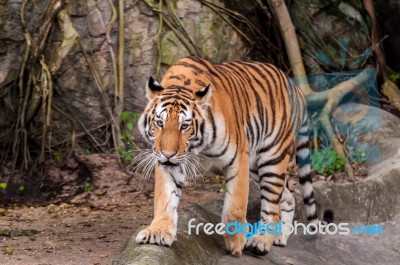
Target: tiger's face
<point>173,122</point>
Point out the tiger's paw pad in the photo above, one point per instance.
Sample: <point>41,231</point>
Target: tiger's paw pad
<point>156,236</point>
<point>260,244</point>
<point>235,244</point>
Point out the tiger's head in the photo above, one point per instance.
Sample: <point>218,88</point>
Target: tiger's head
<point>174,122</point>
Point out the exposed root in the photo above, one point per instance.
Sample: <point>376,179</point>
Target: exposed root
<point>389,89</point>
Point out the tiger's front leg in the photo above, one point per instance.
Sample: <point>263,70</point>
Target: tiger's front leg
<point>162,230</point>
<point>235,203</point>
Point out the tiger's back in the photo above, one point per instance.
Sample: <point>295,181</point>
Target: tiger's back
<point>248,118</point>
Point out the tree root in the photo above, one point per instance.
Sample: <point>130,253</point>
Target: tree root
<point>35,86</point>
<point>331,98</point>
<point>389,89</point>
<point>327,100</point>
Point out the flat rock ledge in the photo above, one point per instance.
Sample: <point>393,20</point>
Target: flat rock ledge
<point>188,249</point>
<point>352,249</point>
<point>374,200</point>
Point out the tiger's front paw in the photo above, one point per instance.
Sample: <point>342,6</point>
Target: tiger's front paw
<point>160,234</point>
<point>260,244</point>
<point>235,243</point>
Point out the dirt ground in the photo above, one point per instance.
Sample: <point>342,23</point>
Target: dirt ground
<point>88,220</point>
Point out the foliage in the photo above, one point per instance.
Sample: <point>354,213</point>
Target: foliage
<point>126,154</point>
<point>327,161</point>
<point>88,186</point>
<point>127,121</point>
<point>3,186</point>
<point>358,156</point>
<point>394,76</point>
<point>58,155</point>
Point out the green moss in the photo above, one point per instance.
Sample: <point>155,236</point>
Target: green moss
<point>172,49</point>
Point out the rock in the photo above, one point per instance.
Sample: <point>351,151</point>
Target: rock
<point>349,249</point>
<point>189,249</point>
<point>215,38</point>
<point>375,198</point>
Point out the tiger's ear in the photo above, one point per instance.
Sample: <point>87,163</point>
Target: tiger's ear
<point>153,88</point>
<point>203,96</point>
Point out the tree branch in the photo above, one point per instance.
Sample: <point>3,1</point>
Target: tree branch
<point>292,45</point>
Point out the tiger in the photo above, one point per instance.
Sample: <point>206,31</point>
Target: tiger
<point>243,118</point>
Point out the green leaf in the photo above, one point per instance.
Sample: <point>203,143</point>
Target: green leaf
<point>88,186</point>
<point>101,193</point>
<point>58,155</point>
<point>124,115</point>
<point>135,116</point>
<point>394,76</point>
<point>327,161</point>
<point>129,125</point>
<point>3,185</point>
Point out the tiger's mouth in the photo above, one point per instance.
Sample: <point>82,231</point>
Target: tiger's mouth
<point>168,164</point>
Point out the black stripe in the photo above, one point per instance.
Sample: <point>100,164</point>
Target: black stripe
<point>229,179</point>
<point>177,184</point>
<point>303,161</point>
<point>214,128</point>
<point>203,63</point>
<point>273,161</point>
<point>306,144</point>
<point>180,89</point>
<point>276,201</point>
<point>183,106</point>
<point>312,217</point>
<point>222,152</point>
<point>233,159</point>
<point>200,83</point>
<point>269,213</point>
<point>176,77</point>
<point>174,192</point>
<point>194,67</point>
<point>269,189</point>
<point>306,178</point>
<point>309,199</point>
<point>270,174</point>
<point>187,101</point>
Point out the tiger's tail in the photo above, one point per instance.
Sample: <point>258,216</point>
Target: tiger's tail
<point>304,170</point>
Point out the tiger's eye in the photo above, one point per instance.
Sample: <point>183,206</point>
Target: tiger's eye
<point>159,123</point>
<point>184,126</point>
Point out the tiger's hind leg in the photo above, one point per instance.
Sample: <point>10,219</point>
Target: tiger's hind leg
<point>272,174</point>
<point>287,205</point>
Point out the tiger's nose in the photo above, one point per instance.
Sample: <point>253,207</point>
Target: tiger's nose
<point>168,154</point>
